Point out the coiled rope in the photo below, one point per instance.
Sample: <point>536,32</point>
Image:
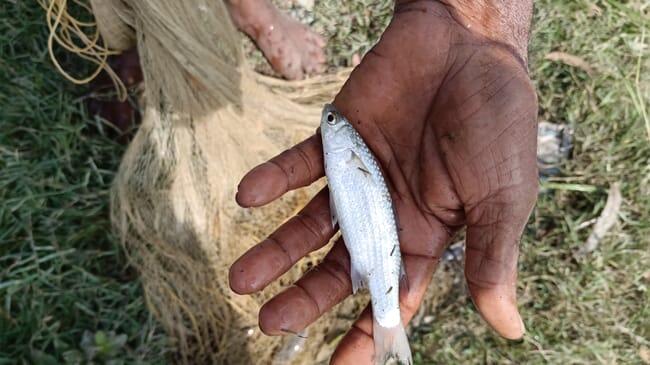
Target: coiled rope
<point>64,28</point>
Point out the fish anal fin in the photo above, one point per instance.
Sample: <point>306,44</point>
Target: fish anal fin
<point>357,279</point>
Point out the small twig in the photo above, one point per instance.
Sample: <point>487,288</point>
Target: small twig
<point>571,60</point>
<point>604,223</point>
<point>287,331</point>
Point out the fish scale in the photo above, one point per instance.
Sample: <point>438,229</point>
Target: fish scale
<point>362,206</point>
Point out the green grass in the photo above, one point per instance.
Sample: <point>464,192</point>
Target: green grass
<point>66,295</point>
<point>596,310</point>
<point>65,292</point>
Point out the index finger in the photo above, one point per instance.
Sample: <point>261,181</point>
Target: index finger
<point>294,168</point>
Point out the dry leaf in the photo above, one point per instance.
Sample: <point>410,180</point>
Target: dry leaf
<point>605,221</point>
<point>644,353</point>
<point>646,276</point>
<point>571,60</point>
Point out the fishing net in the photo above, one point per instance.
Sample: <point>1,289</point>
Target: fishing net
<point>208,118</point>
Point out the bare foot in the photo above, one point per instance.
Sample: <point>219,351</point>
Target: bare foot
<point>293,49</point>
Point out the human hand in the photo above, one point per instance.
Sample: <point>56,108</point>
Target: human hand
<point>450,114</point>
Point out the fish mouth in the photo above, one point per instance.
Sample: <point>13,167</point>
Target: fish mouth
<point>329,108</point>
<point>330,115</point>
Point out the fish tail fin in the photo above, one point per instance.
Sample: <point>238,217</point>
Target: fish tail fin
<point>391,343</point>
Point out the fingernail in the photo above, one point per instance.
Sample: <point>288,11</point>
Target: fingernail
<point>244,202</point>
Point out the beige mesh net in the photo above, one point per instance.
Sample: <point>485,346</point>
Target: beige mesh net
<point>207,120</point>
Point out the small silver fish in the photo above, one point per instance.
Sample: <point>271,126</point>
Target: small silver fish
<point>362,206</point>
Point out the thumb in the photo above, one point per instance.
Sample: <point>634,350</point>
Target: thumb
<point>494,228</point>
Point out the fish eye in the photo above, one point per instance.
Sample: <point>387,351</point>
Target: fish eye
<point>331,118</point>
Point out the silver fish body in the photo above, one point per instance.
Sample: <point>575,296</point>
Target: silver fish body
<point>362,206</point>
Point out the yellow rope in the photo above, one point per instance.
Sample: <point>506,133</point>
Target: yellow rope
<point>63,28</point>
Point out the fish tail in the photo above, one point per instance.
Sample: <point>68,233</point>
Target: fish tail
<point>391,343</point>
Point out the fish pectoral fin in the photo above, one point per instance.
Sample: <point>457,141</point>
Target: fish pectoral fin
<point>357,280</point>
<point>356,163</point>
<point>333,211</point>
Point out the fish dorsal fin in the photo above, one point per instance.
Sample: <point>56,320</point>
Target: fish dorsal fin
<point>356,162</point>
<point>403,279</point>
<point>333,211</point>
<point>397,225</point>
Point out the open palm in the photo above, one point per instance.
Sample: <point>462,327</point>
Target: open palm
<point>451,118</point>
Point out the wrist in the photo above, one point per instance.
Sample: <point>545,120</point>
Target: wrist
<point>506,22</point>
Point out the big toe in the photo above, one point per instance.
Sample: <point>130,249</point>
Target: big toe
<point>314,57</point>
